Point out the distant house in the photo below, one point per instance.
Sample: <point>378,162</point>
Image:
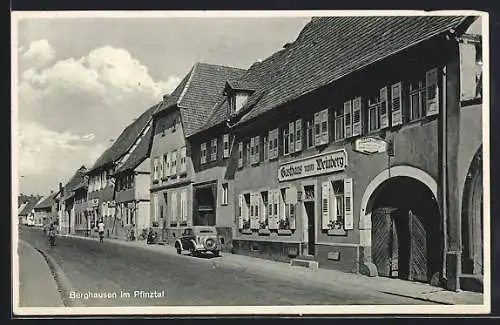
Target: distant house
<point>44,212</point>
<point>68,201</point>
<point>26,214</point>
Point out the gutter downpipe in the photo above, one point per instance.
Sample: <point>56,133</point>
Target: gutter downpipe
<point>444,178</point>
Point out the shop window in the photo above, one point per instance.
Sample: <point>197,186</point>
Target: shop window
<point>273,208</point>
<point>244,211</point>
<point>213,150</point>
<point>224,193</point>
<point>254,210</point>
<point>336,205</point>
<point>203,153</point>
<point>264,210</point>
<point>225,144</point>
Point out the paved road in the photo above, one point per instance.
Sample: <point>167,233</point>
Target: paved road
<point>108,267</point>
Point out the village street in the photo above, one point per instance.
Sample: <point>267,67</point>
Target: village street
<point>93,267</point>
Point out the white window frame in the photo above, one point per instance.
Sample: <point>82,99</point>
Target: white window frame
<point>213,149</point>
<point>166,169</point>
<point>203,153</point>
<point>417,90</point>
<point>224,193</point>
<point>225,145</point>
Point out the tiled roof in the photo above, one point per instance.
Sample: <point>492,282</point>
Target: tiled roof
<point>82,184</point>
<point>220,113</point>
<point>242,84</point>
<point>329,48</point>
<point>125,140</point>
<point>139,154</point>
<point>46,202</point>
<point>77,178</point>
<point>29,206</point>
<point>198,92</point>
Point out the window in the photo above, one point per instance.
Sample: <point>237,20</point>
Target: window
<point>291,132</point>
<point>155,169</point>
<point>347,119</point>
<point>432,90</point>
<point>213,150</point>
<point>273,144</point>
<point>166,169</point>
<point>336,204</point>
<point>224,194</point>
<point>225,141</point>
<point>203,153</point>
<point>298,135</point>
<point>184,213</point>
<point>173,164</point>
<point>254,210</point>
<point>396,105</point>
<point>156,207</point>
<point>248,154</point>
<point>161,167</point>
<point>339,123</point>
<point>265,147</point>
<point>264,201</point>
<point>374,112</point>
<point>183,160</point>
<point>240,154</point>
<point>244,211</point>
<point>321,135</point>
<point>417,98</point>
<point>286,139</point>
<point>310,133</point>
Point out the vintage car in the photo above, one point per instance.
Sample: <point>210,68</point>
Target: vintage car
<point>198,239</point>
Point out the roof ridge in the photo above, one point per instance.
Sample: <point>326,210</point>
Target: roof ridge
<point>188,83</point>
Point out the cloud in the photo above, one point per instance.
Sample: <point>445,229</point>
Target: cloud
<point>39,53</point>
<point>65,106</point>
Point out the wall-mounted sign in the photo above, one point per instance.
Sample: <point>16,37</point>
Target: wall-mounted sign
<point>324,163</point>
<point>93,203</point>
<point>291,195</point>
<point>370,145</point>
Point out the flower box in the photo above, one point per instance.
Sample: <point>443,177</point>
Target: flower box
<point>284,232</point>
<point>264,232</point>
<point>246,231</point>
<point>337,232</point>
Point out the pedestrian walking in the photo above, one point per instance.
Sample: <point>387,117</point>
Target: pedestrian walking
<point>100,228</point>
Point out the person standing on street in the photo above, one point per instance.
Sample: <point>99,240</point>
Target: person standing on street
<point>100,228</point>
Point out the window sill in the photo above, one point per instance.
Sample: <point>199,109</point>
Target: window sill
<point>336,232</point>
<point>246,231</point>
<point>264,232</point>
<point>284,232</point>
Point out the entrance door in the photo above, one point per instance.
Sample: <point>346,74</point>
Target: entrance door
<point>311,226</point>
<point>418,248</point>
<point>384,242</point>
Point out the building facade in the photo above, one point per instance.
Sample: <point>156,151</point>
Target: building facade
<point>183,186</point>
<point>82,220</point>
<point>343,159</point>
<point>68,202</point>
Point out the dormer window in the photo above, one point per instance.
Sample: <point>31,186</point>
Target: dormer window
<point>237,100</point>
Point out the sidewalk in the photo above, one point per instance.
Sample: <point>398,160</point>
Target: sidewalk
<point>35,277</point>
<point>324,277</point>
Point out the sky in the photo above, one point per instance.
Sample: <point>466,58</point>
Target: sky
<point>81,81</point>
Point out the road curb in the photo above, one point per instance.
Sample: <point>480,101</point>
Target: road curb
<point>62,281</point>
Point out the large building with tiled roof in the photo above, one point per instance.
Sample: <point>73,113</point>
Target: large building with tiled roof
<point>101,183</point>
<point>45,211</point>
<point>183,191</point>
<point>344,141</point>
<point>70,218</point>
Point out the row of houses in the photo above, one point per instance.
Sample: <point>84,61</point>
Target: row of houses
<point>357,146</point>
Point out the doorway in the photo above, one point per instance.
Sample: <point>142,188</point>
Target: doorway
<point>406,231</point>
<point>311,226</point>
<point>204,205</point>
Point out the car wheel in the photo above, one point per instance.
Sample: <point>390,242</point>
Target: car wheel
<point>178,248</point>
<point>194,252</point>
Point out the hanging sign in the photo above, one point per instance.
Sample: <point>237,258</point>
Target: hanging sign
<point>324,163</point>
<point>370,145</point>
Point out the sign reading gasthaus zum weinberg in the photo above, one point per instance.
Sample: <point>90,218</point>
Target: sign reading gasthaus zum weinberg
<point>316,165</point>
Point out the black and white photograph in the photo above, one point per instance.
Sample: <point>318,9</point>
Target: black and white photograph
<point>250,162</point>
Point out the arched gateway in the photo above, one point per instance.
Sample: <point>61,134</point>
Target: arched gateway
<point>400,226</point>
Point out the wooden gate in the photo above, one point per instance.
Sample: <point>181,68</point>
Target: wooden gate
<point>418,249</point>
<point>382,240</point>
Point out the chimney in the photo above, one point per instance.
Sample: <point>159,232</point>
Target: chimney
<point>60,188</point>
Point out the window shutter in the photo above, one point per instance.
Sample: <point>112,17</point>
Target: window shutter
<point>396,107</point>
<point>275,143</point>
<point>317,128</point>
<point>240,211</point>
<point>174,163</point>
<point>203,152</point>
<point>333,203</point>
<point>348,204</point>
<point>298,135</point>
<point>252,151</point>
<point>291,137</point>
<point>226,145</point>
<point>240,154</point>
<point>325,204</point>
<point>347,119</point>
<point>273,199</point>
<point>256,209</point>
<point>325,135</point>
<point>183,159</point>
<point>384,108</point>
<point>256,151</point>
<point>356,116</point>
<point>155,207</point>
<point>160,173</point>
<point>167,165</point>
<point>263,209</point>
<point>431,89</point>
